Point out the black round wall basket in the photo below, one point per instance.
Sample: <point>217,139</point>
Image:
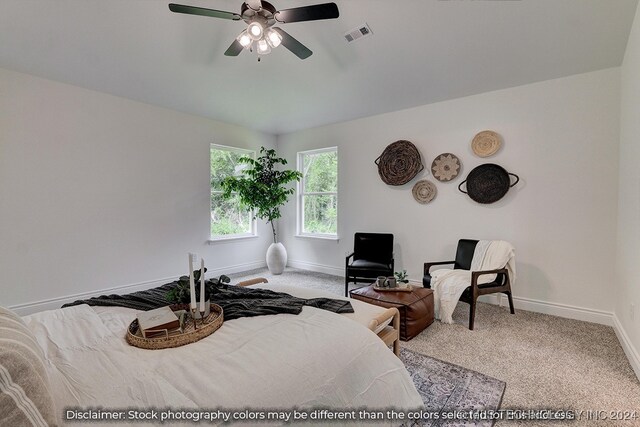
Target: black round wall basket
<point>488,183</point>
<point>399,163</point>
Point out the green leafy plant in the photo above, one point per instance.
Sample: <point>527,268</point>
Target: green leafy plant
<point>181,294</point>
<point>262,187</point>
<point>401,276</point>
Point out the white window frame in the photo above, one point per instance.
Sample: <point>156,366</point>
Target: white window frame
<point>300,199</point>
<point>254,229</point>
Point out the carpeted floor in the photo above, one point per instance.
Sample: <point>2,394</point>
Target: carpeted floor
<point>547,362</point>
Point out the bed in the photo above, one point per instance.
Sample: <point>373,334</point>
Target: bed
<point>316,359</point>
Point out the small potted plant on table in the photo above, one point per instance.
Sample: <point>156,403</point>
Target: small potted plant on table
<point>402,277</point>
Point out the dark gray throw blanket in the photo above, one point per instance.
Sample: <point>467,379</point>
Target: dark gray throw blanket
<point>236,301</point>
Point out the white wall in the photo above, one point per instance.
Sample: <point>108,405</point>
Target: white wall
<point>560,137</point>
<point>628,249</point>
<point>99,192</point>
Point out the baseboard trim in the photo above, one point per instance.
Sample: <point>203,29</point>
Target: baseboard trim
<point>554,309</point>
<point>54,303</point>
<point>318,268</point>
<point>627,346</point>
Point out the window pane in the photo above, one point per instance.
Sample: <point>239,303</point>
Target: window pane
<point>320,214</point>
<point>321,172</point>
<point>224,163</point>
<point>227,217</point>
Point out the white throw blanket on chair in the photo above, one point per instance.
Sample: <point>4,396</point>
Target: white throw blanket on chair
<point>448,285</point>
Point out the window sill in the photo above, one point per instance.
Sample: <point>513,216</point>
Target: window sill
<point>213,241</point>
<point>318,236</point>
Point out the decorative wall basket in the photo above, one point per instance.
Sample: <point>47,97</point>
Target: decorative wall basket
<point>424,191</point>
<point>486,143</point>
<point>488,183</point>
<point>445,167</point>
<point>399,163</point>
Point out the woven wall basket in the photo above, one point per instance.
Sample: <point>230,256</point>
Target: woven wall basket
<point>486,143</point>
<point>424,191</point>
<point>399,163</point>
<point>488,183</point>
<point>445,167</point>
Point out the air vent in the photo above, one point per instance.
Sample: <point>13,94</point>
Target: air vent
<point>358,33</point>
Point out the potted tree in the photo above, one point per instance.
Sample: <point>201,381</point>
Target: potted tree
<point>263,188</point>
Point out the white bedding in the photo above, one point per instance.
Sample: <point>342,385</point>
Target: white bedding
<point>363,312</point>
<point>315,359</point>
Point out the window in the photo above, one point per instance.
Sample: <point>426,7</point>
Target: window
<point>318,193</point>
<point>228,218</point>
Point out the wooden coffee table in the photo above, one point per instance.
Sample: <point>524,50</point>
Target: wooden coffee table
<point>416,307</point>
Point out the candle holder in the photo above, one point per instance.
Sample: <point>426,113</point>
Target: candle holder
<point>193,316</point>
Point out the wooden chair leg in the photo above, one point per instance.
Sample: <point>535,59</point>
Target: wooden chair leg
<point>472,313</point>
<point>510,302</point>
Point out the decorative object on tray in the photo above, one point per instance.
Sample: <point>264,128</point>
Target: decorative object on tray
<point>424,191</point>
<point>445,167</point>
<point>399,163</point>
<point>402,277</point>
<point>391,282</point>
<point>407,288</point>
<point>398,283</point>
<point>486,143</point>
<point>488,183</point>
<point>181,293</point>
<point>262,187</point>
<point>158,322</point>
<point>193,330</point>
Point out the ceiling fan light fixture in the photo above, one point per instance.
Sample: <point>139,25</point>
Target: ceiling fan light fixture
<point>273,38</point>
<point>255,30</point>
<point>244,39</point>
<point>262,47</point>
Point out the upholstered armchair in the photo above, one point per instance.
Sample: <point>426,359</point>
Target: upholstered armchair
<point>372,256</point>
<point>464,257</point>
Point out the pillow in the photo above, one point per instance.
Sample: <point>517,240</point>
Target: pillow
<point>25,390</point>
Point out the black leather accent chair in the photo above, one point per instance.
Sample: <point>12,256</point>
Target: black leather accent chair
<point>372,257</point>
<point>464,256</point>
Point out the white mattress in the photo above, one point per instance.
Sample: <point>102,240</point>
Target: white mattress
<point>315,359</point>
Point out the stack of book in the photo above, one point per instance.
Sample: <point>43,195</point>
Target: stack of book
<point>161,322</point>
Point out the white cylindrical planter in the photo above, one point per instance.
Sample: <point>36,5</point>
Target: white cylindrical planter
<point>276,258</point>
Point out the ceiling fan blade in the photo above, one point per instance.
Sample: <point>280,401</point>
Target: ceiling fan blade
<point>192,10</point>
<point>254,4</point>
<point>308,13</point>
<point>234,49</point>
<point>298,49</point>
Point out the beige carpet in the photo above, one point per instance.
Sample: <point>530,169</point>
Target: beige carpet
<point>547,362</point>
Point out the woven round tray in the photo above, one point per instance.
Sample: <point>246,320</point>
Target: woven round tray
<point>424,191</point>
<point>488,183</point>
<point>486,143</point>
<point>399,163</point>
<point>445,167</point>
<point>211,323</point>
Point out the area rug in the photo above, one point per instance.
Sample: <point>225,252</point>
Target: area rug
<point>448,390</point>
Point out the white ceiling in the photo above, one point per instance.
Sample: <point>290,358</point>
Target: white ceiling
<point>422,51</point>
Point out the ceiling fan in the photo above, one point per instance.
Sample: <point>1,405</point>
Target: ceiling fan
<point>260,35</point>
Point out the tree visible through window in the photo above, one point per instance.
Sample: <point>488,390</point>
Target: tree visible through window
<point>228,217</point>
<point>318,203</point>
